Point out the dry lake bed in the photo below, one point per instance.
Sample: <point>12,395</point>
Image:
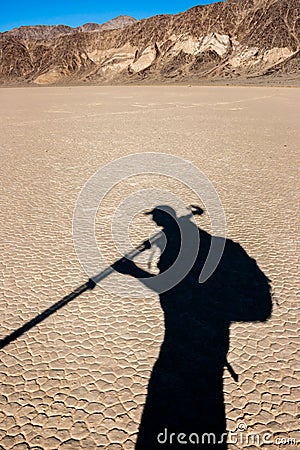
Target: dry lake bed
<point>78,379</point>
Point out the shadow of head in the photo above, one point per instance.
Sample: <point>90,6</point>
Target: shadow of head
<point>162,215</point>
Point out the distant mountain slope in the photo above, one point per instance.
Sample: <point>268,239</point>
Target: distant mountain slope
<point>40,32</point>
<point>230,39</point>
<point>117,22</point>
<point>36,32</point>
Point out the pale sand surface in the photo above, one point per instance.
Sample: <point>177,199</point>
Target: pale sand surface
<point>78,380</point>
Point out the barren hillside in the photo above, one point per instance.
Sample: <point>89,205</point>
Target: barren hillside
<point>228,40</point>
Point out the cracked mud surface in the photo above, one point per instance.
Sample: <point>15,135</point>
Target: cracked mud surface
<point>78,380</point>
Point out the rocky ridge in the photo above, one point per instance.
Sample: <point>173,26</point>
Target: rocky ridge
<point>40,32</point>
<point>225,40</point>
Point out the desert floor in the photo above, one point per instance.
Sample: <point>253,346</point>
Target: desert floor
<point>78,380</point>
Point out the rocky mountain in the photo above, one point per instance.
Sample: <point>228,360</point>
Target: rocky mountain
<point>41,32</point>
<point>118,22</point>
<point>233,39</point>
<point>36,32</point>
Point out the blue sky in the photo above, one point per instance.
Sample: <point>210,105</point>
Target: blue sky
<point>77,12</point>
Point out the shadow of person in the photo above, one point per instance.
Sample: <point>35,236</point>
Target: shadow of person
<point>185,405</point>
